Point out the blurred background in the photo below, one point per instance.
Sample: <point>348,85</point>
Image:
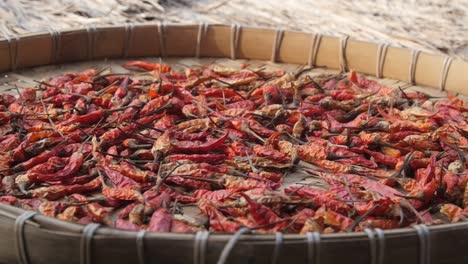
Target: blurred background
<point>437,26</point>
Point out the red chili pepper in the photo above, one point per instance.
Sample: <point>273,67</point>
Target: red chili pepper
<point>240,149</point>
<point>119,193</point>
<point>57,191</point>
<point>302,216</point>
<point>218,222</point>
<point>70,213</point>
<point>126,225</point>
<point>373,186</point>
<point>130,171</point>
<point>178,226</point>
<point>314,98</point>
<point>244,104</point>
<point>271,176</point>
<point>36,160</point>
<point>197,147</point>
<point>148,66</point>
<point>216,195</point>
<point>161,221</point>
<point>119,180</point>
<point>221,93</point>
<point>241,78</point>
<point>453,212</point>
<point>312,152</point>
<point>263,151</point>
<point>155,104</point>
<point>320,198</point>
<point>189,136</point>
<point>157,200</point>
<point>209,158</point>
<point>334,219</point>
<point>95,210</point>
<point>360,161</point>
<point>124,213</point>
<point>380,207</point>
<point>382,158</point>
<point>262,214</point>
<point>341,95</point>
<point>248,184</point>
<point>210,135</point>
<point>76,160</point>
<point>8,199</point>
<point>189,183</point>
<point>370,222</point>
<point>88,119</point>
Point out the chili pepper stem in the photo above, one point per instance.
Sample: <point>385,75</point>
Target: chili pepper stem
<point>23,188</point>
<point>103,90</point>
<point>249,159</point>
<point>88,201</point>
<point>211,181</point>
<point>162,108</point>
<point>50,119</point>
<point>163,179</point>
<point>407,204</point>
<point>247,129</point>
<point>148,127</point>
<point>404,166</point>
<point>362,217</point>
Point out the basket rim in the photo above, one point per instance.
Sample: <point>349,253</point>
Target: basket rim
<point>76,228</point>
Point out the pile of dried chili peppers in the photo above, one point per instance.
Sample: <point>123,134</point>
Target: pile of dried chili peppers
<point>218,149</point>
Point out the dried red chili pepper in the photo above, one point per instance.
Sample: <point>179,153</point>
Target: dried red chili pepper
<point>218,222</point>
<point>148,66</point>
<point>212,158</point>
<point>161,221</point>
<point>262,214</point>
<point>210,135</point>
<point>197,146</point>
<point>57,191</point>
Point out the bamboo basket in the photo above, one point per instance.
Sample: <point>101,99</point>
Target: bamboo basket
<point>33,238</point>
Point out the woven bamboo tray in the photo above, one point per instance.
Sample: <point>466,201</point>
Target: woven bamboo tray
<point>33,238</point>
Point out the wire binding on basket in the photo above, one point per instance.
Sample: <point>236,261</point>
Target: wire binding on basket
<point>196,247</point>
<point>91,30</point>
<point>376,245</point>
<point>85,245</point>
<point>414,62</point>
<point>140,244</point>
<point>380,245</point>
<point>424,243</point>
<point>199,247</point>
<point>162,39</point>
<point>445,70</point>
<point>21,251</point>
<point>314,47</point>
<point>372,245</point>
<point>128,39</point>
<point>313,247</point>
<point>277,249</point>
<point>13,49</point>
<point>231,244</point>
<point>381,55</point>
<point>276,44</point>
<point>235,32</point>
<point>343,61</point>
<point>202,29</point>
<point>55,36</point>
